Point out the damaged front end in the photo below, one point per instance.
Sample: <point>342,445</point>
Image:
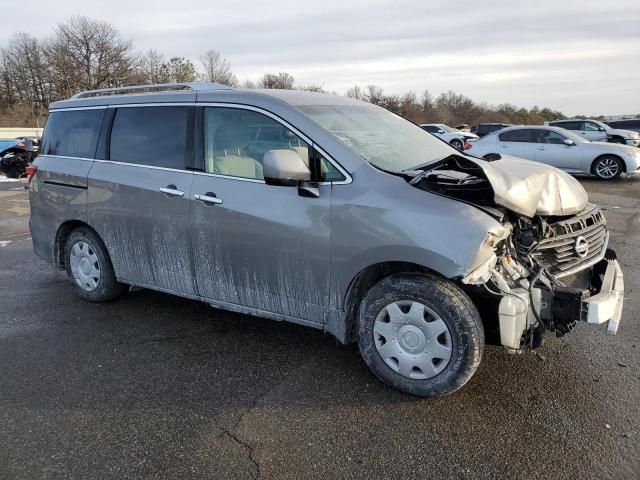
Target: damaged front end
<point>549,267</point>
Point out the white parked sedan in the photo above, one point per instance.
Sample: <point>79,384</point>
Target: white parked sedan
<point>455,138</point>
<point>560,148</point>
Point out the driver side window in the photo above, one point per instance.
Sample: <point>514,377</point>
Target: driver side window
<point>591,127</point>
<point>235,141</point>
<point>551,137</point>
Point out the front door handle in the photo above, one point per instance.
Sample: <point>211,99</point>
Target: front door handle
<point>172,191</point>
<point>209,198</point>
<point>541,148</point>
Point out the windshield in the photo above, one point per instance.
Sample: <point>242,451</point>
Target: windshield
<point>380,137</point>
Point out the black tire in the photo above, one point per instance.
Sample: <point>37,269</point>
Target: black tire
<point>453,307</point>
<point>107,287</point>
<point>457,144</point>
<point>12,172</point>
<point>604,164</point>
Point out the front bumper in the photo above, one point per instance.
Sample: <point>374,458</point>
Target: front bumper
<point>606,305</point>
<point>597,299</point>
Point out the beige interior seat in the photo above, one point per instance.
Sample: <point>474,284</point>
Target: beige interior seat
<point>234,165</point>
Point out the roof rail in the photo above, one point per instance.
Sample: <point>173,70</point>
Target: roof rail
<point>156,87</point>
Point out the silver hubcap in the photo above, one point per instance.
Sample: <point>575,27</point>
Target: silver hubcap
<point>85,266</point>
<point>412,339</point>
<point>607,168</point>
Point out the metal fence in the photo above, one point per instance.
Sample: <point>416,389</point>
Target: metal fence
<point>20,132</point>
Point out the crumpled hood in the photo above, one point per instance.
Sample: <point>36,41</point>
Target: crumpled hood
<point>531,188</point>
<point>624,133</point>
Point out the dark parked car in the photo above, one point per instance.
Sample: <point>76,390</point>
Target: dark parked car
<point>631,124</point>
<point>15,155</point>
<point>483,129</point>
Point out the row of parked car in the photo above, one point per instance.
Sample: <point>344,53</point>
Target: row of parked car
<point>577,146</point>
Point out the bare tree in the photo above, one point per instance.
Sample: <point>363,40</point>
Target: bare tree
<point>150,68</point>
<point>85,53</point>
<point>249,84</point>
<point>374,94</point>
<point>281,80</point>
<point>24,76</point>
<point>312,88</point>
<point>429,111</point>
<point>410,108</point>
<point>356,92</point>
<point>217,69</point>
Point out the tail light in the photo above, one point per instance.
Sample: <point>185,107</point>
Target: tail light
<point>468,146</point>
<point>31,171</point>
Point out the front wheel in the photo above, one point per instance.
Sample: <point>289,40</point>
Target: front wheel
<point>607,167</point>
<point>89,266</point>
<point>420,334</point>
<point>457,144</point>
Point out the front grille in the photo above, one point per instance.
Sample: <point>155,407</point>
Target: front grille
<point>558,253</point>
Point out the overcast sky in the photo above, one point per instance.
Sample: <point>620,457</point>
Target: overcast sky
<point>576,56</point>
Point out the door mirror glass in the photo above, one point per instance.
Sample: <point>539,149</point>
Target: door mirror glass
<point>285,168</point>
<point>568,141</point>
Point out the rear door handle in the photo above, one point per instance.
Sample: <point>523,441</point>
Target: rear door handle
<point>540,148</point>
<point>208,198</point>
<point>172,191</point>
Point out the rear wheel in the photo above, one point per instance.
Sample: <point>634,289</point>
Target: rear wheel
<point>420,334</point>
<point>607,167</point>
<point>89,266</point>
<point>457,144</point>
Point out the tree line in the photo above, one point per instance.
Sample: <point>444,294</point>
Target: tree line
<point>86,54</point>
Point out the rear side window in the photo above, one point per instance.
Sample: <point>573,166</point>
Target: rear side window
<point>153,136</point>
<point>72,133</point>
<point>526,135</point>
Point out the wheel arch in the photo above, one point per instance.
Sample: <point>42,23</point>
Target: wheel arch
<point>62,234</point>
<point>595,160</point>
<point>360,285</point>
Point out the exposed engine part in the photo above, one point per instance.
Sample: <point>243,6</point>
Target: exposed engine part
<point>548,269</point>
<point>517,318</point>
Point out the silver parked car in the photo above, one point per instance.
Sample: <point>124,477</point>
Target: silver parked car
<point>560,148</point>
<point>323,211</point>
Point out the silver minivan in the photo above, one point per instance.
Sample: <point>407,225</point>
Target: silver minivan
<point>323,211</point>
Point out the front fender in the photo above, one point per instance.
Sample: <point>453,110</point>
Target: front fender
<point>387,220</point>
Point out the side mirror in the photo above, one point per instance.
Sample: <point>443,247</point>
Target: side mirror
<point>284,168</point>
<point>569,142</point>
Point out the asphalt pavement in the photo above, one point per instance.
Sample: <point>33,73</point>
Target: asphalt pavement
<point>155,386</point>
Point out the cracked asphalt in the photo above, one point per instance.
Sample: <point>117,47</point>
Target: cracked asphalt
<point>154,386</point>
